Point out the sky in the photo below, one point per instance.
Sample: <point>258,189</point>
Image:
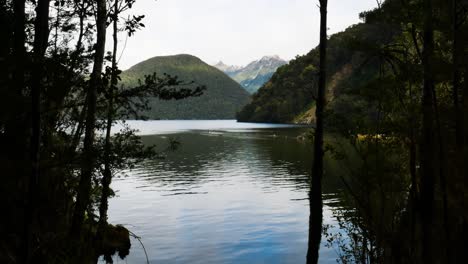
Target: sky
<point>233,31</point>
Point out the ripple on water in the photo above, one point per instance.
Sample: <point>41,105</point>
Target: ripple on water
<point>228,197</point>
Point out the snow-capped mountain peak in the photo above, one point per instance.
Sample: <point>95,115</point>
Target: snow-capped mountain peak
<point>255,74</point>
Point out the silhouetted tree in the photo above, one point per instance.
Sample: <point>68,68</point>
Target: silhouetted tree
<point>427,147</point>
<point>315,194</point>
<point>107,174</point>
<point>89,155</point>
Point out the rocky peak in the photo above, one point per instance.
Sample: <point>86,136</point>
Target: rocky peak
<point>226,68</point>
<point>255,74</point>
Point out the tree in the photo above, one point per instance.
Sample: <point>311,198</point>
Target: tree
<point>315,194</point>
<point>41,35</point>
<point>107,174</point>
<point>95,83</point>
<point>49,100</point>
<point>427,146</point>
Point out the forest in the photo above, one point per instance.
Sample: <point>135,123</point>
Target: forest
<point>402,106</point>
<point>388,95</point>
<point>223,98</point>
<point>60,97</point>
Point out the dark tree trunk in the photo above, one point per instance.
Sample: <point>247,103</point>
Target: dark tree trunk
<point>82,9</point>
<point>456,77</point>
<point>16,90</point>
<point>462,43</point>
<point>315,195</point>
<point>427,147</point>
<point>107,177</point>
<point>464,128</point>
<point>41,36</point>
<point>19,50</point>
<point>442,177</point>
<point>89,155</point>
<point>412,164</point>
<point>414,191</point>
<point>16,127</point>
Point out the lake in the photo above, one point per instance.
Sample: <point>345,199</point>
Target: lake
<point>231,193</point>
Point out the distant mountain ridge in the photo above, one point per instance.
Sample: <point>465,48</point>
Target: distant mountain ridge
<point>255,74</point>
<point>227,68</point>
<point>222,99</point>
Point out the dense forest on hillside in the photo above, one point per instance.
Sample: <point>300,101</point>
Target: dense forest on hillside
<point>222,98</point>
<point>59,99</point>
<point>289,96</point>
<point>388,99</point>
<point>396,91</point>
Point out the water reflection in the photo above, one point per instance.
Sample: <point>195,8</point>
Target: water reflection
<point>223,197</point>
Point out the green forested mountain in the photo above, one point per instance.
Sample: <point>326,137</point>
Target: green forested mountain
<point>289,96</point>
<point>395,124</point>
<point>222,98</point>
<point>397,93</point>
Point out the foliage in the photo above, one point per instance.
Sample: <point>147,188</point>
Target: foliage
<point>292,90</point>
<point>383,107</point>
<point>51,107</point>
<point>402,103</point>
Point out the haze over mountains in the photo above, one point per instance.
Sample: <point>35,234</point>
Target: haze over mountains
<point>222,99</point>
<point>255,74</point>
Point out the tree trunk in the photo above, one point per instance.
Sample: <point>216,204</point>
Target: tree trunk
<point>456,77</point>
<point>41,36</point>
<point>19,52</point>
<point>315,195</point>
<point>464,128</point>
<point>427,147</point>
<point>82,9</point>
<point>89,155</point>
<point>414,191</point>
<point>107,177</point>
<point>16,127</point>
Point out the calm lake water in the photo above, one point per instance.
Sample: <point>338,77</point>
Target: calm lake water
<point>231,193</point>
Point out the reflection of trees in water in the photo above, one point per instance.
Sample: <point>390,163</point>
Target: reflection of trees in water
<point>274,157</point>
<point>371,198</point>
<point>369,202</point>
<point>372,203</point>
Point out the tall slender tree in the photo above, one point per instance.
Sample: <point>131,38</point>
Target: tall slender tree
<point>456,56</point>
<point>427,146</point>
<point>315,195</point>
<point>15,128</point>
<point>41,36</point>
<point>107,175</point>
<point>89,155</point>
<point>19,51</point>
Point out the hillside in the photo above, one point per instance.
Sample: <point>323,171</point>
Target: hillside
<point>289,95</point>
<point>255,74</point>
<point>221,100</point>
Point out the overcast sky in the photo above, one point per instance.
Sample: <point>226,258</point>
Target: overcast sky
<point>234,31</point>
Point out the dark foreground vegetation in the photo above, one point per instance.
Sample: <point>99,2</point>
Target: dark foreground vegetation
<point>398,94</point>
<point>393,91</point>
<point>59,97</point>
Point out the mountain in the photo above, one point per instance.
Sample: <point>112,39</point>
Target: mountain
<point>221,100</point>
<point>255,74</point>
<point>228,69</point>
<point>289,95</point>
